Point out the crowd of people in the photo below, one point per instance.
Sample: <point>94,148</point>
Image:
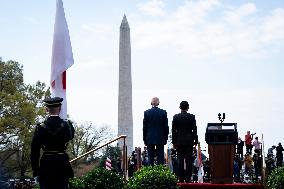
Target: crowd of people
<point>252,161</point>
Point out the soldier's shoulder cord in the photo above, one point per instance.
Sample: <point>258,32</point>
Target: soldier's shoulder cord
<point>40,125</point>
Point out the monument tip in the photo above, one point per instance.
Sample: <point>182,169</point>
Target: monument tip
<point>124,22</point>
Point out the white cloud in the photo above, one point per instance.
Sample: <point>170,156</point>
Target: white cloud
<point>193,13</point>
<point>273,26</point>
<point>153,7</point>
<point>236,16</point>
<point>196,30</point>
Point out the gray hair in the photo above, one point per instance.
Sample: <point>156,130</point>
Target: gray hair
<point>155,101</point>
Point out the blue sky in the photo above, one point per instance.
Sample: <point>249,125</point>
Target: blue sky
<point>221,56</point>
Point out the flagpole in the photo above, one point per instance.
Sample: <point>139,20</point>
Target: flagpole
<point>262,159</point>
<point>200,165</point>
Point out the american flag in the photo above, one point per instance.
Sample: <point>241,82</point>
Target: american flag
<point>108,164</point>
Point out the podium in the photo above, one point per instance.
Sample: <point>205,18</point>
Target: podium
<point>221,139</point>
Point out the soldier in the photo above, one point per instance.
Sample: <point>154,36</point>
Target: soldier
<point>174,161</point>
<point>132,164</point>
<point>237,166</point>
<point>257,164</point>
<point>270,150</point>
<point>206,170</point>
<point>52,136</point>
<point>270,164</point>
<point>240,147</point>
<point>145,157</point>
<point>279,155</point>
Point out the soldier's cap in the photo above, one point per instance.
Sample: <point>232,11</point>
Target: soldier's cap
<point>53,102</point>
<point>184,105</point>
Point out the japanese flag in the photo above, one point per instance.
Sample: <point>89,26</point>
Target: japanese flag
<point>62,57</point>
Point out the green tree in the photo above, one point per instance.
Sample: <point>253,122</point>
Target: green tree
<point>87,137</point>
<point>276,179</point>
<point>20,108</point>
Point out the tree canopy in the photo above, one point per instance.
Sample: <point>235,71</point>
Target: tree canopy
<point>20,108</point>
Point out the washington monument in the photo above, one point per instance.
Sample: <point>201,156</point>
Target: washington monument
<point>125,119</point>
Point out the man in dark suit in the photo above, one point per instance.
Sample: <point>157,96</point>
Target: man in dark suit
<point>184,136</point>
<point>52,136</point>
<point>155,132</point>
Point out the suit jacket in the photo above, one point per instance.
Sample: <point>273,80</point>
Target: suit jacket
<point>155,126</point>
<point>184,130</point>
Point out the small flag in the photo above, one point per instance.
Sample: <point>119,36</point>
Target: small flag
<point>108,164</point>
<point>62,57</point>
<point>200,164</point>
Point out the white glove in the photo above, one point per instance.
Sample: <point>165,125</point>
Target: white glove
<point>36,179</point>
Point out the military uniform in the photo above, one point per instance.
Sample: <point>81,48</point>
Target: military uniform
<point>52,136</point>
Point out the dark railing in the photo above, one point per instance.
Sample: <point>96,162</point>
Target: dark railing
<point>124,153</point>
